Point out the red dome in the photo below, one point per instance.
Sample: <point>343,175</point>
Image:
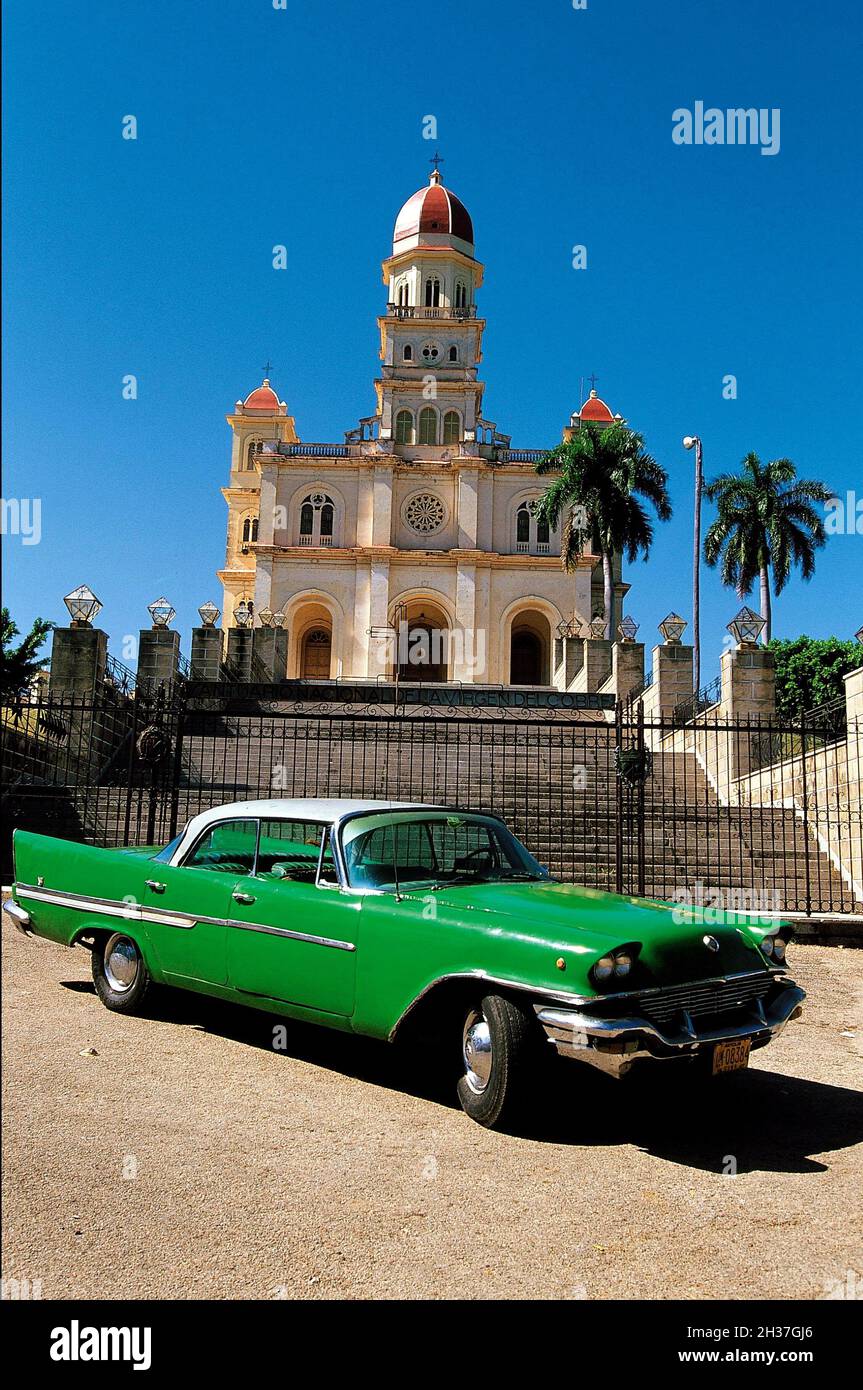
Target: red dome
<point>264,398</point>
<point>433,211</point>
<point>597,410</point>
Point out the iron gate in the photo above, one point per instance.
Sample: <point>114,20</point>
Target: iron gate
<point>766,812</point>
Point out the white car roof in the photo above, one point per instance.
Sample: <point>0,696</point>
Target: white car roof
<point>316,808</point>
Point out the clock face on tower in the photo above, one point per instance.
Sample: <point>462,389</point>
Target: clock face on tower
<point>430,353</point>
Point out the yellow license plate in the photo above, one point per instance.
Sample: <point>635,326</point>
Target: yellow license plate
<point>731,1056</point>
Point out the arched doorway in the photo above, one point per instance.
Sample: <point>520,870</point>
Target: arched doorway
<point>529,649</point>
<point>316,653</point>
<point>423,644</point>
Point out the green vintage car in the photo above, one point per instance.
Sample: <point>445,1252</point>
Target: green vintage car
<point>395,920</point>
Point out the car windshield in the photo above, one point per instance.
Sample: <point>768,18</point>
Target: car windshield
<point>389,850</point>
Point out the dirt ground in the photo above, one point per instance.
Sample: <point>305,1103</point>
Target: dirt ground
<point>178,1155</point>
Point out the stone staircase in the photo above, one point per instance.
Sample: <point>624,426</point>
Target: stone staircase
<point>554,783</point>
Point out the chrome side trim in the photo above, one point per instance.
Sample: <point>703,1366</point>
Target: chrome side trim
<point>111,907</point>
<point>136,912</point>
<point>292,935</point>
<point>18,915</point>
<point>108,907</point>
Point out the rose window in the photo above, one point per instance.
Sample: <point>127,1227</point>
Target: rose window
<point>425,513</point>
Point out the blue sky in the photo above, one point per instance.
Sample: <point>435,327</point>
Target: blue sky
<point>303,126</point>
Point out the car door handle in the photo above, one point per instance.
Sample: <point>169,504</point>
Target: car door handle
<point>155,886</point>
<point>240,897</point>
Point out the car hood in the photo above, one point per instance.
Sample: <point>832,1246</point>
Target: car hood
<point>676,942</point>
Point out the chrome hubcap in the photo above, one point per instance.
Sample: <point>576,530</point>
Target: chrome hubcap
<point>476,1049</point>
<point>121,963</point>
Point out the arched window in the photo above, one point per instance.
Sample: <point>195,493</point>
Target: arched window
<point>460,296</point>
<point>250,530</point>
<point>317,519</point>
<point>451,427</point>
<point>403,293</point>
<point>404,427</point>
<point>252,448</point>
<point>432,294</point>
<point>428,425</point>
<point>531,536</point>
<point>453,354</point>
<point>407,353</point>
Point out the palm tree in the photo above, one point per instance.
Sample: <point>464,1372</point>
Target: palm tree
<point>766,521</point>
<point>601,472</point>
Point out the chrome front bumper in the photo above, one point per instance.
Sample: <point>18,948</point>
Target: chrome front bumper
<point>18,916</point>
<point>614,1044</point>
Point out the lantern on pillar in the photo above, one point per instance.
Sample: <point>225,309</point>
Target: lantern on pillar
<point>747,627</point>
<point>161,612</point>
<point>672,627</point>
<point>209,614</point>
<point>83,606</point>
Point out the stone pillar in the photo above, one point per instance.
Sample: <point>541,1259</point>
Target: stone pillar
<point>206,659</point>
<point>853,796</point>
<point>627,667</point>
<point>854,696</point>
<point>380,652</point>
<point>468,508</point>
<point>572,660</point>
<point>463,654</point>
<point>240,647</point>
<point>672,680</point>
<point>78,658</point>
<point>748,679</point>
<point>158,656</point>
<point>270,651</point>
<point>595,664</point>
<point>748,682</point>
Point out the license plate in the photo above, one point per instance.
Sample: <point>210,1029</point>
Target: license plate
<point>731,1056</point>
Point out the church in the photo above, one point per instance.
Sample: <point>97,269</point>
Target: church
<point>411,549</point>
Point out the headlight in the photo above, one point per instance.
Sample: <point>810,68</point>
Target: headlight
<point>778,948</point>
<point>767,943</point>
<point>619,963</point>
<point>604,968</point>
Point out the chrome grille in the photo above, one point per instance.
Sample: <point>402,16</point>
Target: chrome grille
<point>704,998</point>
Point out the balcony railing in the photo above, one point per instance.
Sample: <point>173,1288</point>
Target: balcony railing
<point>521,455</point>
<point>335,451</point>
<point>431,311</point>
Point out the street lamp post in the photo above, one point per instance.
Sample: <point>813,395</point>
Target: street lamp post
<point>693,442</point>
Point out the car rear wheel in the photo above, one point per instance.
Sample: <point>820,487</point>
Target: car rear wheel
<point>500,1053</point>
<point>119,973</point>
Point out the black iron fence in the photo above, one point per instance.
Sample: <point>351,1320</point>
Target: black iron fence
<point>748,814</point>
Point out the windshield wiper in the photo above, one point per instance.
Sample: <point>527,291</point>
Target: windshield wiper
<point>488,878</point>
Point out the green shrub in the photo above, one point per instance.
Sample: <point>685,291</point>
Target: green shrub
<point>809,672</point>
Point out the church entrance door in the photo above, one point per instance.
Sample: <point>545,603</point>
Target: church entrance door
<point>526,658</point>
<point>317,648</point>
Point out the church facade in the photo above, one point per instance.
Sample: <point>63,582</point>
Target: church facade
<point>410,549</point>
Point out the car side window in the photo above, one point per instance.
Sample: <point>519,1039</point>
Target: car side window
<point>228,847</point>
<point>292,849</point>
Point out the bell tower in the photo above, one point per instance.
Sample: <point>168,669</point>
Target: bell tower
<point>428,394</point>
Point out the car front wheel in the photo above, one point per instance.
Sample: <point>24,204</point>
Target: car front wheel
<point>119,973</point>
<point>500,1049</point>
